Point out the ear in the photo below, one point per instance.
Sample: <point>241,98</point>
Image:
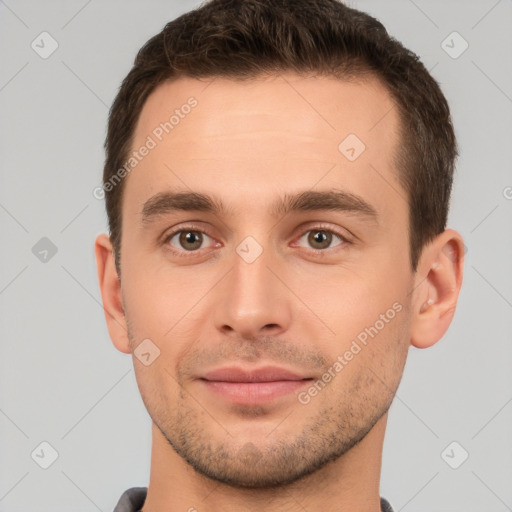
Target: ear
<point>437,285</point>
<point>110,287</point>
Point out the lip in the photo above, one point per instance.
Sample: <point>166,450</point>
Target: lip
<point>252,387</point>
<point>264,374</point>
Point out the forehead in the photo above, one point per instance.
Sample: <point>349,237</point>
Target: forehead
<point>311,105</point>
<point>257,136</point>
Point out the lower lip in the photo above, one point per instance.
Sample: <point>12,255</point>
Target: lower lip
<point>249,393</point>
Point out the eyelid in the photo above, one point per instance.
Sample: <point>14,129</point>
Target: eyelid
<point>344,234</point>
<point>188,227</point>
<point>185,227</point>
<point>311,226</point>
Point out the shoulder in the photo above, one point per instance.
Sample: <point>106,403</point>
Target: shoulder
<point>131,500</point>
<point>385,506</point>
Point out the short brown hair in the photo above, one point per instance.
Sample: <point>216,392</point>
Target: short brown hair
<point>243,39</point>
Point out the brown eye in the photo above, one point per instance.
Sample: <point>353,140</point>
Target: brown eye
<point>187,239</point>
<point>321,239</point>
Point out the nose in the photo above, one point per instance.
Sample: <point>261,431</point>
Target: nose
<point>252,301</point>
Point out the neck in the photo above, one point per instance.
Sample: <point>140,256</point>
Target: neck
<point>349,483</point>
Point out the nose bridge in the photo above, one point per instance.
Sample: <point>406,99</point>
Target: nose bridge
<point>252,301</point>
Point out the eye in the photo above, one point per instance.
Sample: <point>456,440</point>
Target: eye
<point>188,240</point>
<point>321,239</point>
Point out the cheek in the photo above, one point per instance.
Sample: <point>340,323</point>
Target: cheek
<point>167,310</point>
<point>368,314</point>
<point>351,301</point>
<point>159,297</point>
<point>157,388</point>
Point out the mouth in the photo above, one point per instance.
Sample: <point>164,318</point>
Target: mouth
<point>252,387</point>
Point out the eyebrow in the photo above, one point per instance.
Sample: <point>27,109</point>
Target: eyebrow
<point>168,202</point>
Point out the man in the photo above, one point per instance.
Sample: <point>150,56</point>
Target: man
<point>277,181</point>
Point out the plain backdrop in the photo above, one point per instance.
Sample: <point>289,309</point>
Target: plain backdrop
<point>61,380</point>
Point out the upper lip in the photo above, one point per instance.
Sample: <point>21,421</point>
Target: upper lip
<point>264,374</point>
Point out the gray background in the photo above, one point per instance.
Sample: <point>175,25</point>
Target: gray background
<point>62,381</point>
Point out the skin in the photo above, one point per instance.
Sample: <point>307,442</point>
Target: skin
<point>249,143</point>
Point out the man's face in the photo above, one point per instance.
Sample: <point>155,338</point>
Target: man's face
<point>324,294</point>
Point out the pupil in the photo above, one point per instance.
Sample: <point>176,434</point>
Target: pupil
<point>320,236</point>
<point>191,237</point>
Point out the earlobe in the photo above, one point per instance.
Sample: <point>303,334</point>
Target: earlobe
<point>437,287</point>
<point>110,288</point>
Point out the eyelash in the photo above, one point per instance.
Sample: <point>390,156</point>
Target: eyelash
<point>320,252</point>
<point>183,253</point>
